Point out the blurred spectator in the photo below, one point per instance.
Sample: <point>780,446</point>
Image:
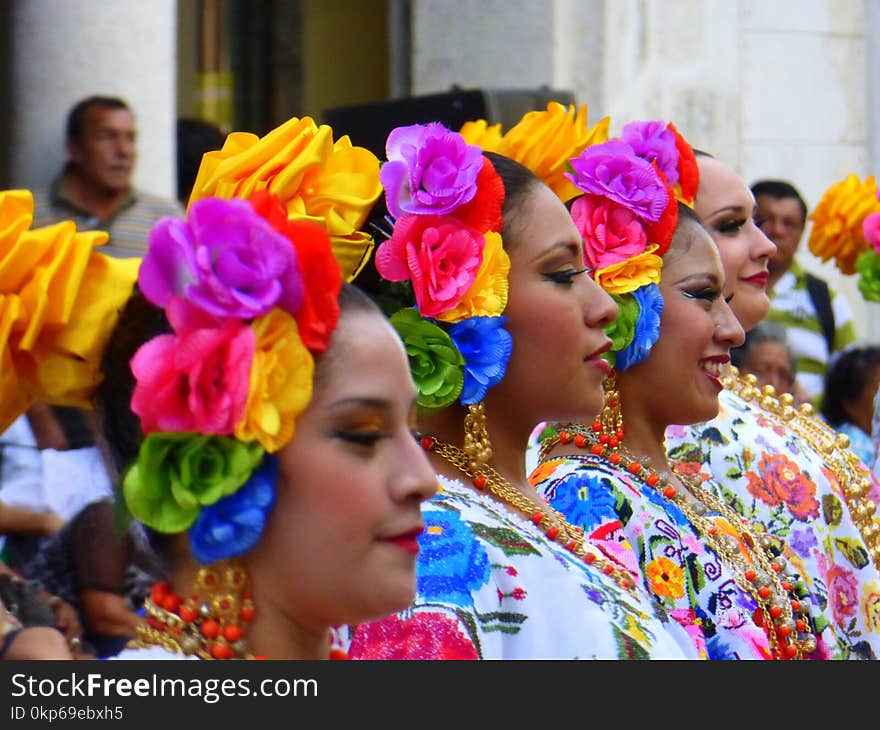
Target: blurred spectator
<point>767,355</point>
<point>848,402</point>
<point>94,189</point>
<point>194,138</point>
<point>103,573</point>
<point>818,320</point>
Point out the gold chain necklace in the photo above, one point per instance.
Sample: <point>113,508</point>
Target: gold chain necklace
<point>755,560</point>
<point>555,526</point>
<point>832,447</point>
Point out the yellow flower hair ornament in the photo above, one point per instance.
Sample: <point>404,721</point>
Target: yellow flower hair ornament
<point>332,183</point>
<point>59,301</point>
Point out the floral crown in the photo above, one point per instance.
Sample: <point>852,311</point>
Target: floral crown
<point>627,213</point>
<point>250,297</point>
<point>59,302</point>
<point>846,227</point>
<point>249,283</point>
<point>444,201</point>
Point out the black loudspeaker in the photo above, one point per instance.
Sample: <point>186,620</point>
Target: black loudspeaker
<point>368,125</point>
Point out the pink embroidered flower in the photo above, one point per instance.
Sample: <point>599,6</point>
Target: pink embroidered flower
<point>225,259</point>
<point>871,229</point>
<point>440,256</point>
<point>196,379</point>
<point>843,593</point>
<point>613,170</point>
<point>430,170</point>
<point>611,232</point>
<point>654,142</point>
<point>424,635</point>
<point>779,480</point>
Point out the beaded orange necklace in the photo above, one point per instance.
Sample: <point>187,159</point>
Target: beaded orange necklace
<point>486,479</point>
<point>753,555</point>
<point>210,624</point>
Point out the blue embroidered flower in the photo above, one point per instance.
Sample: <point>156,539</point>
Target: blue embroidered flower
<point>486,347</point>
<point>452,562</point>
<point>647,327</point>
<point>234,524</point>
<point>583,499</point>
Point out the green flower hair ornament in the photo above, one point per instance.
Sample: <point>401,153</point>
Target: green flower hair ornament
<point>178,473</point>
<point>435,362</point>
<point>868,266</point>
<point>623,329</point>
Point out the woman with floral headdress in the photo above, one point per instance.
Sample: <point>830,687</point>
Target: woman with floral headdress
<point>777,463</point>
<point>283,494</point>
<point>721,577</point>
<point>504,329</point>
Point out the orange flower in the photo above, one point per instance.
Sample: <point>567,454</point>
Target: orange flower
<point>780,481</point>
<point>544,141</point>
<point>837,221</point>
<point>330,183</point>
<point>667,578</point>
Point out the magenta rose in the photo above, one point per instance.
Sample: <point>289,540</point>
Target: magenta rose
<point>611,232</point>
<point>655,142</point>
<point>438,254</point>
<point>430,170</point>
<point>612,170</point>
<point>871,229</point>
<point>225,259</point>
<point>196,379</point>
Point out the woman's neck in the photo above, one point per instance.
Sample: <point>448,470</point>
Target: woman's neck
<point>273,633</point>
<point>644,437</point>
<point>508,444</point>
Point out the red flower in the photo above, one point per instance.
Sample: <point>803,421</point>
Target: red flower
<point>483,211</point>
<point>688,172</point>
<point>661,231</point>
<point>519,594</point>
<point>424,635</point>
<point>319,313</point>
<point>780,480</point>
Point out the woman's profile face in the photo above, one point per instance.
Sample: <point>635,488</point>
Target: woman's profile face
<point>726,206</point>
<point>555,314</point>
<point>680,380</point>
<point>341,542</point>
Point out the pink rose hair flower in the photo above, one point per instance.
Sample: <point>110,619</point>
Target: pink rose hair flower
<point>438,254</point>
<point>196,379</point>
<point>225,259</point>
<point>612,170</point>
<point>430,170</point>
<point>612,232</point>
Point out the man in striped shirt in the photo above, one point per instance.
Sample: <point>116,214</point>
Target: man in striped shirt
<point>818,321</point>
<point>94,188</point>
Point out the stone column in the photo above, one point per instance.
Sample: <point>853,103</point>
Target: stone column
<point>62,51</point>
